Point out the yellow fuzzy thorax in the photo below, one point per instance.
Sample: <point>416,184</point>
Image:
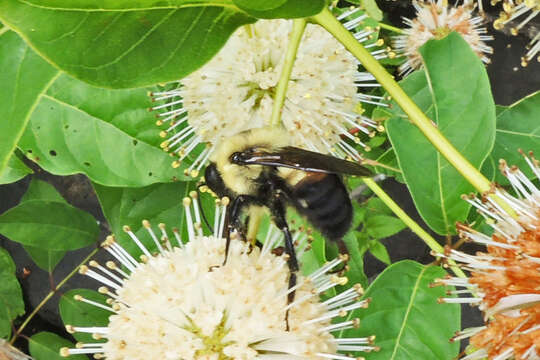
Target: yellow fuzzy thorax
<point>240,179</point>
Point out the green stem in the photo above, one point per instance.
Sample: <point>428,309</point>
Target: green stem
<point>327,20</point>
<point>281,90</point>
<point>49,296</point>
<point>391,28</point>
<point>417,229</point>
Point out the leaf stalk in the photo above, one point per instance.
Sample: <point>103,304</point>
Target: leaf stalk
<point>299,26</point>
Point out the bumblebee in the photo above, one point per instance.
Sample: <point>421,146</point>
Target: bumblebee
<point>259,168</point>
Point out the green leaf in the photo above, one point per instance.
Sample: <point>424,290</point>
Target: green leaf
<point>23,77</point>
<point>383,226</point>
<point>399,315</point>
<point>43,257</point>
<point>6,263</point>
<point>78,313</point>
<point>376,206</point>
<point>462,108</point>
<point>356,274</point>
<point>125,44</point>
<point>49,224</point>
<point>11,301</point>
<point>372,9</point>
<point>41,190</point>
<point>517,128</point>
<point>15,170</point>
<point>158,203</point>
<point>379,251</point>
<point>260,5</point>
<point>106,134</point>
<point>271,9</point>
<point>46,346</point>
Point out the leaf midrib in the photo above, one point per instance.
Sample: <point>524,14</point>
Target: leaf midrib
<point>18,135</point>
<point>224,3</point>
<point>531,135</point>
<point>407,312</point>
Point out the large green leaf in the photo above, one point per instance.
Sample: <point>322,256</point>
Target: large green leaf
<point>270,9</point>
<point>462,108</point>
<point>401,315</point>
<point>46,346</point>
<point>49,224</point>
<point>158,203</point>
<point>124,44</point>
<point>517,128</point>
<point>78,313</point>
<point>14,170</point>
<point>11,301</point>
<point>23,77</point>
<point>106,134</point>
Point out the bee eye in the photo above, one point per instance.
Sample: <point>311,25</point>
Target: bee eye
<point>236,157</point>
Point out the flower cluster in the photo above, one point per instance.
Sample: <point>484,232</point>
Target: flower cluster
<point>434,20</point>
<point>235,92</point>
<point>183,302</point>
<point>504,280</point>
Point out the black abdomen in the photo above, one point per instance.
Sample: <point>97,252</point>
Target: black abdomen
<point>324,200</point>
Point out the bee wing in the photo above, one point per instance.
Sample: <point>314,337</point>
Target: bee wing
<point>301,159</point>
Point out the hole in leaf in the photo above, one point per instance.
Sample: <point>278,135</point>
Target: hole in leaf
<point>66,126</point>
<point>135,142</point>
<point>52,152</point>
<point>86,163</point>
<point>150,173</point>
<point>29,151</point>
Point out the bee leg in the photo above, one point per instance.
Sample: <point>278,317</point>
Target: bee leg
<point>232,220</point>
<point>278,211</point>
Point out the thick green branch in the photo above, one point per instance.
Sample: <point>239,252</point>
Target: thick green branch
<point>294,42</point>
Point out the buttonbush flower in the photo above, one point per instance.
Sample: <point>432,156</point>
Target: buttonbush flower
<point>533,51</point>
<point>514,9</point>
<point>434,20</point>
<point>182,302</point>
<point>525,11</point>
<point>234,92</point>
<point>505,279</point>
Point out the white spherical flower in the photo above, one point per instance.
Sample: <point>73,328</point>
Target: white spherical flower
<point>184,303</point>
<point>235,92</point>
<point>435,19</point>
